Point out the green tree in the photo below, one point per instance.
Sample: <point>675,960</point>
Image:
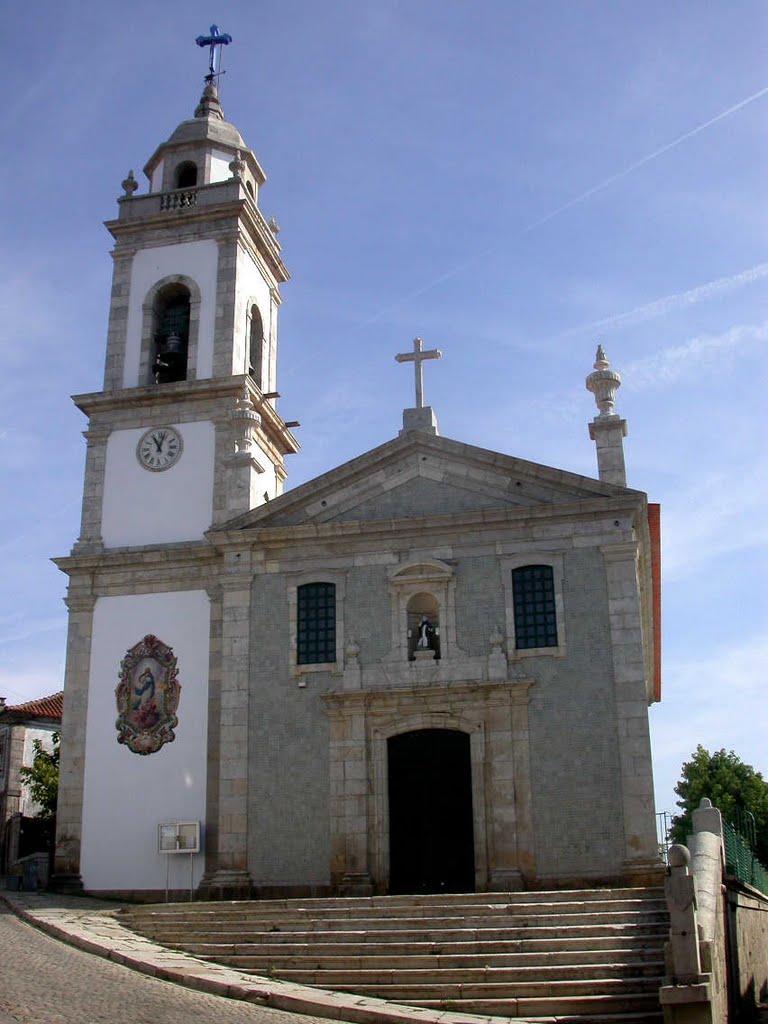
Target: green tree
<point>43,778</point>
<point>733,787</point>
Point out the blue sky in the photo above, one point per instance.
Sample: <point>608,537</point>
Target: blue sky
<point>514,182</point>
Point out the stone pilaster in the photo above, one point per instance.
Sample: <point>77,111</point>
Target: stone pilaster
<point>624,613</point>
<point>243,467</point>
<point>350,856</point>
<point>90,540</point>
<point>509,799</point>
<point>224,326</point>
<point>118,318</point>
<point>69,816</point>
<point>227,875</point>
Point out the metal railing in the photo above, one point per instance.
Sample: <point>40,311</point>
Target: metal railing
<point>663,825</point>
<point>739,838</point>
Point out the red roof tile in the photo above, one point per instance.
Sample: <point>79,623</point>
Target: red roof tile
<point>44,707</point>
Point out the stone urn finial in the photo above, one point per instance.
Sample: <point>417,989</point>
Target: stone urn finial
<point>603,383</point>
<point>237,166</point>
<point>129,185</point>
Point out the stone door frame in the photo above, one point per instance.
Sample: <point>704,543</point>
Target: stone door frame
<point>396,725</point>
<point>494,715</point>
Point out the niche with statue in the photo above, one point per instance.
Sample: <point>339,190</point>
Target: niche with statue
<point>423,625</point>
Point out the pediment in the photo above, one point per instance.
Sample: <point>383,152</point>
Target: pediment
<point>421,571</point>
<point>421,475</point>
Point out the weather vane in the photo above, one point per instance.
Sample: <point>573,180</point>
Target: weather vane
<point>215,39</point>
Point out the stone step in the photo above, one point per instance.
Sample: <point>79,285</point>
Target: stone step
<point>578,955</point>
<point>642,1007</point>
<point>259,958</point>
<point>435,990</point>
<point>403,924</point>
<point>187,914</point>
<point>542,976</point>
<point>435,937</point>
<point>407,902</point>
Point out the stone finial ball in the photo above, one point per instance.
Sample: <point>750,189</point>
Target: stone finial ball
<point>678,856</point>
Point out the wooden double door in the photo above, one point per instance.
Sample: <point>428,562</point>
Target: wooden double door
<point>431,841</point>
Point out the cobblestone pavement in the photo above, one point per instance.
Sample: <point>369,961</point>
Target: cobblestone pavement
<point>44,981</point>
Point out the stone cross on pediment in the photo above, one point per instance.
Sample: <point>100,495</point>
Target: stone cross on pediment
<point>417,357</point>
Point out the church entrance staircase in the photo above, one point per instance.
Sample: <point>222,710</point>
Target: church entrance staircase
<point>579,955</point>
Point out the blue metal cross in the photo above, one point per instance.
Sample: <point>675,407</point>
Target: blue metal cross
<point>215,39</point>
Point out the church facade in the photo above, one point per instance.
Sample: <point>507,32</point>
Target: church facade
<point>428,669</point>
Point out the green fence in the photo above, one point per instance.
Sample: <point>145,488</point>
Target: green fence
<point>740,859</point>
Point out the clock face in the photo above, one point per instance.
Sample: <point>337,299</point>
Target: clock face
<point>159,448</point>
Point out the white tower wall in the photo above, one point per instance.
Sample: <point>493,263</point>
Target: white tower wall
<point>158,508</point>
<point>127,795</point>
<point>196,260</point>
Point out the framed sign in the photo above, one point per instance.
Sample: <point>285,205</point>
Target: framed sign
<point>179,837</point>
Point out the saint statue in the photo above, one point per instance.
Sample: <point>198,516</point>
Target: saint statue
<point>426,632</point>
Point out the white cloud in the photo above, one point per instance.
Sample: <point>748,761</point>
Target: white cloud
<point>705,352</point>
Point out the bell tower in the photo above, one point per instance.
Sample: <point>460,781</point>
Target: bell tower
<point>185,433</point>
<point>184,436</point>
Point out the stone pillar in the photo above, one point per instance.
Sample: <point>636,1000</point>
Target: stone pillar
<point>641,857</point>
<point>227,875</point>
<point>90,540</point>
<point>607,429</point>
<point>608,434</point>
<point>686,996</point>
<point>69,815</point>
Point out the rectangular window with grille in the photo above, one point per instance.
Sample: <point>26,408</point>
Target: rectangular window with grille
<point>533,590</point>
<point>316,623</point>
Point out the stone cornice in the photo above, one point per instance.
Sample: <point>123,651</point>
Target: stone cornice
<point>193,555</point>
<point>510,690</point>
<point>208,389</point>
<point>152,395</point>
<point>459,522</point>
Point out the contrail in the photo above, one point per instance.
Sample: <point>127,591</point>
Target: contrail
<point>659,307</point>
<point>575,201</point>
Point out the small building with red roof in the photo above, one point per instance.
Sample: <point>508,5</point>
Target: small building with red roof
<point>20,726</point>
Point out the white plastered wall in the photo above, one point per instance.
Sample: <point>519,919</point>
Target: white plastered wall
<point>156,181</point>
<point>126,795</point>
<point>251,287</point>
<point>219,166</point>
<point>196,260</point>
<point>144,507</point>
